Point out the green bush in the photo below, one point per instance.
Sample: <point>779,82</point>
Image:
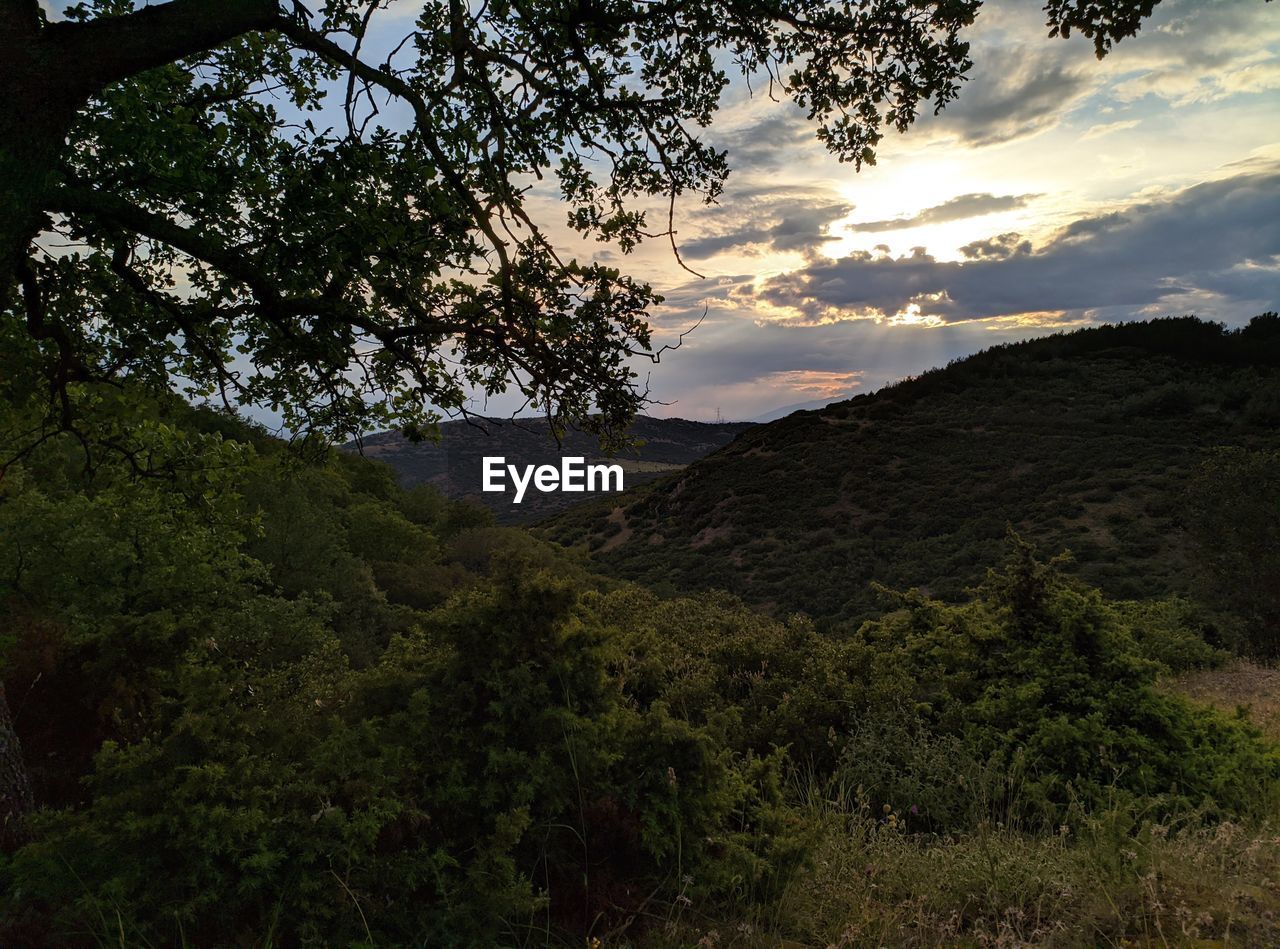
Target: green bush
<point>270,700</point>
<point>1039,669</point>
<point>486,776</point>
<point>1172,632</point>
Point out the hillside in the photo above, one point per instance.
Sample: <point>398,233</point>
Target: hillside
<point>1081,442</point>
<point>453,465</point>
<point>265,696</point>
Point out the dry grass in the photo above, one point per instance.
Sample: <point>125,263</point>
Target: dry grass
<point>1112,878</point>
<point>1239,684</point>
<point>867,884</point>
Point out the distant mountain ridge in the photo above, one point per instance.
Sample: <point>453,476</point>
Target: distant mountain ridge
<point>454,464</point>
<point>784,410</point>
<point>1080,441</point>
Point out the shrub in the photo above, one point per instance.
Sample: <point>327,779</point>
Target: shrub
<point>1038,667</point>
<point>485,776</point>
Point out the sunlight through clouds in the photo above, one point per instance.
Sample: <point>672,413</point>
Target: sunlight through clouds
<point>1059,191</point>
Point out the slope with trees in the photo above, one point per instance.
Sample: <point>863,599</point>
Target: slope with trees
<point>208,229</point>
<point>266,697</point>
<point>455,463</point>
<point>1089,441</point>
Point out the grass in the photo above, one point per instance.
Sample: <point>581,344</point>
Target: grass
<point>1239,685</point>
<point>1113,877</point>
<point>1104,880</point>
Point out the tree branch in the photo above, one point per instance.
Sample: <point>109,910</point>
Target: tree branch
<point>99,52</point>
<point>232,261</point>
<point>325,48</point>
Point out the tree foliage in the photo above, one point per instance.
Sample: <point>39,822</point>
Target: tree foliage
<point>1233,516</point>
<point>354,266</point>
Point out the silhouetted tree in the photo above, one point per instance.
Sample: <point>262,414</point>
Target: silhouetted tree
<point>362,272</point>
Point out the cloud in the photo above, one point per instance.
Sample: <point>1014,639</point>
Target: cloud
<point>1097,131</point>
<point>770,143</point>
<point>1203,52</point>
<point>997,248</point>
<point>777,219</point>
<point>812,382</point>
<point>1220,237</point>
<point>955,209</point>
<point>1019,87</point>
<point>1024,83</point>
<point>1183,87</point>
<point>747,369</point>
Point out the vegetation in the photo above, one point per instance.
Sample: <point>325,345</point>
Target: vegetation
<point>1234,520</point>
<point>1091,442</point>
<point>261,695</point>
<point>270,698</point>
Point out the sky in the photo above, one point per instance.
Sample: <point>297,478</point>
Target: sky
<point>1059,191</point>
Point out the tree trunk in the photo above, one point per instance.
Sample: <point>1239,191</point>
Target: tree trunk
<point>48,73</point>
<point>36,112</point>
<point>15,784</point>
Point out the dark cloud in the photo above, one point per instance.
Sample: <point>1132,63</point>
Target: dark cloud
<point>1013,92</point>
<point>773,219</point>
<point>1090,227</point>
<point>770,144</point>
<point>956,209</point>
<point>997,248</point>
<point>1221,237</point>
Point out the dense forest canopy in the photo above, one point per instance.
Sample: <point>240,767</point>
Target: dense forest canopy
<point>177,207</point>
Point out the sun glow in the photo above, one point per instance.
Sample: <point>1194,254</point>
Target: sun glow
<point>914,315</point>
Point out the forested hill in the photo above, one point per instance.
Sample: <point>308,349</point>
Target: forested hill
<point>454,464</point>
<point>1083,441</point>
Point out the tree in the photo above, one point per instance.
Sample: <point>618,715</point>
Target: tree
<point>1233,519</point>
<point>352,277</point>
<point>358,274</point>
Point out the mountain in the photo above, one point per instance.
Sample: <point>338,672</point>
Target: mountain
<point>454,464</point>
<point>1081,442</point>
<point>783,411</point>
